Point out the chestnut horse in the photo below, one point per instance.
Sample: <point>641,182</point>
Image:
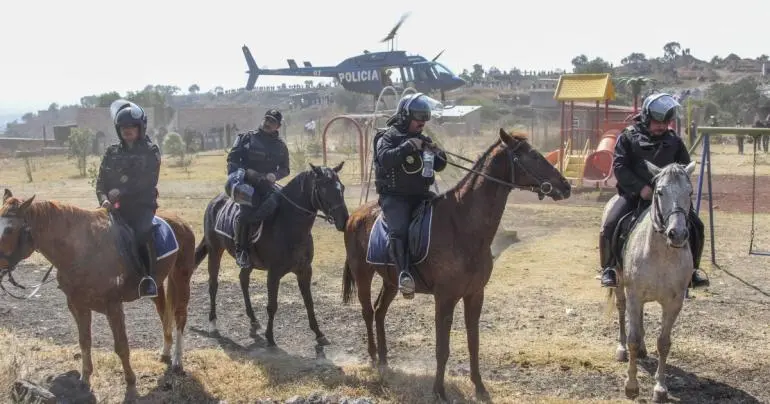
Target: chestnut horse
<point>81,244</point>
<point>465,220</point>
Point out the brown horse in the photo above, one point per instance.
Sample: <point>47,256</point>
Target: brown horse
<point>465,220</point>
<point>81,244</point>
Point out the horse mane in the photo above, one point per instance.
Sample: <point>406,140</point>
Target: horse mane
<point>46,213</point>
<point>469,181</point>
<point>671,169</point>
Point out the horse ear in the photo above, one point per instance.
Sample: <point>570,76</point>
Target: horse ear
<point>315,169</point>
<point>652,168</point>
<point>26,204</point>
<point>339,167</point>
<point>7,195</point>
<point>690,168</point>
<point>506,138</point>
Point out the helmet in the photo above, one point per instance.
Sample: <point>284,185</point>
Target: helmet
<point>126,113</point>
<point>275,115</point>
<point>660,107</point>
<point>414,106</point>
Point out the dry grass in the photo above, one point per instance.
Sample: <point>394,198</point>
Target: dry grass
<point>545,334</point>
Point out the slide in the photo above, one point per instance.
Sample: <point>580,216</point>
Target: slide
<point>599,163</point>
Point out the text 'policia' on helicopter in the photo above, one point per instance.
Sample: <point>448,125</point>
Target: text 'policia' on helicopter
<point>370,72</point>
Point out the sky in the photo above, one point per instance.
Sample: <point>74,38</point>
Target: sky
<point>59,51</point>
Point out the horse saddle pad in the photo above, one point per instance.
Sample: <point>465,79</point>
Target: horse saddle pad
<point>225,222</point>
<point>165,240</point>
<point>624,227</point>
<point>419,237</point>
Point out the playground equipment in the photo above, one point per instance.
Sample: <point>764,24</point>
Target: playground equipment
<point>577,159</point>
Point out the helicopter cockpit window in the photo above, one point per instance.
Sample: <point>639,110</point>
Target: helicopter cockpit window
<point>441,69</point>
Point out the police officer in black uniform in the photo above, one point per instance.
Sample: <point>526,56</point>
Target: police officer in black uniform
<point>128,180</point>
<point>649,138</point>
<point>399,160</point>
<point>257,160</point>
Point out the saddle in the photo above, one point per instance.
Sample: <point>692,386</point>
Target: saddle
<point>127,245</point>
<point>625,225</point>
<point>419,237</point>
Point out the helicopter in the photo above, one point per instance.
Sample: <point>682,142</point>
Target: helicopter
<point>370,72</point>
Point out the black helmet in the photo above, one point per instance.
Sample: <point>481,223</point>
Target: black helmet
<point>660,107</point>
<point>129,114</point>
<point>274,115</point>
<point>414,106</point>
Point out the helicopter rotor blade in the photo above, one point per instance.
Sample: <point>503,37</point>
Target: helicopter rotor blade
<point>392,33</point>
<point>437,56</point>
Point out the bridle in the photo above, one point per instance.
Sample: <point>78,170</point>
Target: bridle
<point>316,203</point>
<point>659,219</point>
<point>543,188</point>
<point>16,256</point>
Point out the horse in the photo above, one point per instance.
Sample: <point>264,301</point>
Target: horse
<point>464,223</point>
<point>284,243</point>
<point>82,245</point>
<point>656,267</point>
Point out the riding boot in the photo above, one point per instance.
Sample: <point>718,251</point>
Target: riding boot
<point>696,247</point>
<point>242,242</point>
<point>148,287</point>
<point>266,209</point>
<point>607,258</point>
<point>400,257</point>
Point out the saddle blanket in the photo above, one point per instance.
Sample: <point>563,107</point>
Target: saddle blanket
<point>165,239</point>
<point>224,224</point>
<point>623,229</point>
<point>419,238</point>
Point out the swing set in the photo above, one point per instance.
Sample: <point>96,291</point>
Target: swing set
<point>704,135</point>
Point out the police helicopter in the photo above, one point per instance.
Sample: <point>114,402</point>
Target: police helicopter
<point>370,72</point>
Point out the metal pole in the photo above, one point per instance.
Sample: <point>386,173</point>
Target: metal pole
<point>707,152</point>
<point>702,167</point>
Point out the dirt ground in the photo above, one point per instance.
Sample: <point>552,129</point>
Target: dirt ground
<point>546,335</point>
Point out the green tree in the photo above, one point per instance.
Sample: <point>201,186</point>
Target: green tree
<point>193,89</point>
<point>581,64</point>
<point>174,146</point>
<point>635,84</point>
<point>80,144</point>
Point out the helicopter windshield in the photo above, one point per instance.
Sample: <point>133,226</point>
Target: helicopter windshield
<point>441,69</point>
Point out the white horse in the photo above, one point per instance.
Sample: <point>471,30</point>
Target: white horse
<point>657,266</point>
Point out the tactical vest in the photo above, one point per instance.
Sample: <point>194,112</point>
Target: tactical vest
<point>404,180</point>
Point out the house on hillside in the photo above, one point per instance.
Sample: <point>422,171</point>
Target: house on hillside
<point>461,120</point>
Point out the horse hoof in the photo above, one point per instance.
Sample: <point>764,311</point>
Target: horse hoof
<point>621,355</point>
<point>165,359</point>
<point>178,370</point>
<point>642,354</point>
<point>632,392</point>
<point>440,396</point>
<point>322,341</point>
<point>483,395</point>
<point>255,326</point>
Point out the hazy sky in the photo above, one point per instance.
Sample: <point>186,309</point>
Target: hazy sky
<point>58,51</point>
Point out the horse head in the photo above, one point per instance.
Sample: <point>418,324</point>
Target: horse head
<point>671,201</point>
<point>329,194</point>
<point>530,170</point>
<point>16,241</point>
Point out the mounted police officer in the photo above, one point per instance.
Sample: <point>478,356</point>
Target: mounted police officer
<point>403,156</point>
<point>257,160</point>
<point>127,183</point>
<point>649,138</point>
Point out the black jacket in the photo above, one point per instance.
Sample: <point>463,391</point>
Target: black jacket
<point>634,146</point>
<point>262,152</point>
<point>133,171</point>
<point>398,165</point>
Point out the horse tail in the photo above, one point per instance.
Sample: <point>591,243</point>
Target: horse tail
<point>348,283</point>
<point>201,251</point>
<point>609,303</point>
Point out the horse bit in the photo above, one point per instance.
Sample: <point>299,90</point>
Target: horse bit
<point>13,259</point>
<point>315,203</point>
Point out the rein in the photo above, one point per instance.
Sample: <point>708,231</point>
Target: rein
<point>545,187</point>
<point>659,220</point>
<point>13,259</point>
<point>315,203</point>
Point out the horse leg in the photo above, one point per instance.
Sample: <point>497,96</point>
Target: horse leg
<point>245,277</point>
<point>83,320</point>
<point>117,321</point>
<point>444,312</point>
<point>633,309</point>
<point>642,347</point>
<point>364,287</point>
<point>621,353</point>
<point>387,293</point>
<point>273,282</point>
<point>303,281</point>
<point>215,259</point>
<point>473,304</point>
<point>179,292</point>
<point>670,313</point>
<point>165,320</point>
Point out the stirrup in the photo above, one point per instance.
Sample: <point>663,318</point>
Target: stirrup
<point>406,284</point>
<point>148,282</point>
<point>614,275</point>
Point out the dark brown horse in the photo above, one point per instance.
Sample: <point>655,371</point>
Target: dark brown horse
<point>82,245</point>
<point>285,244</point>
<point>465,220</point>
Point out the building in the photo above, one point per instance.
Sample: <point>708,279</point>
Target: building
<point>461,119</point>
